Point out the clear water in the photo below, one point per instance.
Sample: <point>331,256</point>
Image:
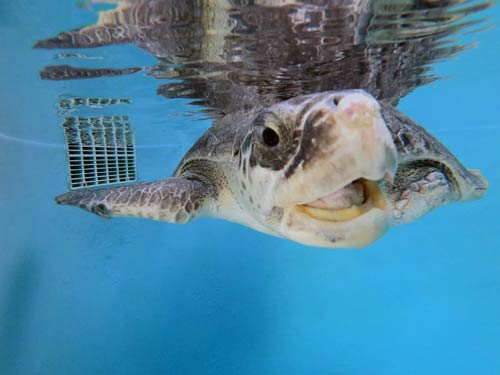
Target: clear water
<point>80,295</point>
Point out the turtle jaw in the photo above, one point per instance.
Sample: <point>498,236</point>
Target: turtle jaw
<point>353,226</point>
<point>372,197</point>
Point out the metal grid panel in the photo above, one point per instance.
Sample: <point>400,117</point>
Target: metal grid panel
<point>101,150</point>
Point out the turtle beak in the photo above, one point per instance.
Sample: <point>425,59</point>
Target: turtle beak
<point>344,138</point>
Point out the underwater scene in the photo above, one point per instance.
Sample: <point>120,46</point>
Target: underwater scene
<point>250,187</point>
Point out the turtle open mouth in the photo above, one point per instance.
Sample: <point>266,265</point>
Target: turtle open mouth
<point>347,203</point>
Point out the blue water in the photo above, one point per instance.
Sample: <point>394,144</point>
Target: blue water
<point>81,295</point>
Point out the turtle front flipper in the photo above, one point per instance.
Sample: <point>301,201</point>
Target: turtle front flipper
<point>174,200</point>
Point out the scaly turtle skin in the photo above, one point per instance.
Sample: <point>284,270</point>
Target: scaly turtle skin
<point>333,169</point>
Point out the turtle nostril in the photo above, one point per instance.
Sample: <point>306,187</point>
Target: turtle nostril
<point>336,101</point>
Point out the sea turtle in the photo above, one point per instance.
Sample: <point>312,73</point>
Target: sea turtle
<point>332,169</point>
<point>291,152</point>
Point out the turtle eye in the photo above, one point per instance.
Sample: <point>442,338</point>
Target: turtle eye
<point>268,136</point>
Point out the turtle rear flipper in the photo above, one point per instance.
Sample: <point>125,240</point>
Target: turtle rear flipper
<point>174,200</point>
<point>479,184</point>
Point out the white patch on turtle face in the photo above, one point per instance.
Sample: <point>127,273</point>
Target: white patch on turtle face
<point>256,184</point>
<point>351,141</point>
<point>340,137</point>
<point>355,233</point>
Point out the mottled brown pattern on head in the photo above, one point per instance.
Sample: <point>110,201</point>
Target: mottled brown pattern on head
<point>315,135</point>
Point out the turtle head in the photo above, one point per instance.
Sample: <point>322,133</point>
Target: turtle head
<point>311,169</point>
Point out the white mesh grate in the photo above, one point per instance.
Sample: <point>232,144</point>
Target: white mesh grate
<point>67,103</point>
<point>101,150</point>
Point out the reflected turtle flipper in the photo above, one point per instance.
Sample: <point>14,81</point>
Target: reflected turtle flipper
<point>90,37</point>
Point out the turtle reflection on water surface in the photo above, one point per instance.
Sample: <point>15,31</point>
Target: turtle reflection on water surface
<point>314,163</point>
